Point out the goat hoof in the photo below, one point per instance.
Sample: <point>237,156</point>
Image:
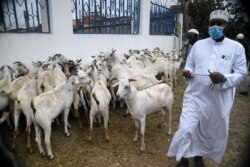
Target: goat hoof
<point>107,139</point>
<point>31,151</point>
<point>169,133</point>
<point>90,138</point>
<point>142,149</point>
<point>51,157</point>
<point>159,126</point>
<point>10,127</point>
<point>42,154</point>
<point>135,139</point>
<point>67,134</point>
<point>13,147</point>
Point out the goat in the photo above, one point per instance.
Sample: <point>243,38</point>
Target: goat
<point>141,103</point>
<point>100,99</point>
<point>22,104</point>
<point>119,71</point>
<point>5,91</point>
<point>20,69</point>
<point>47,106</point>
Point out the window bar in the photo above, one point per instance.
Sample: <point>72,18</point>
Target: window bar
<point>95,16</point>
<point>115,16</point>
<point>110,16</point>
<point>76,14</point>
<point>164,17</point>
<point>8,9</point>
<point>79,20</point>
<point>83,15</point>
<point>119,21</point>
<point>123,20</point>
<point>116,19</point>
<point>2,16</point>
<point>139,11</point>
<point>26,15</point>
<point>105,16</point>
<point>131,17</point>
<point>126,28</point>
<point>32,14</point>
<point>158,21</point>
<point>14,8</point>
<point>136,16</point>
<point>89,22</point>
<point>37,14</point>
<point>101,18</point>
<point>151,14</point>
<point>47,7</point>
<point>161,17</point>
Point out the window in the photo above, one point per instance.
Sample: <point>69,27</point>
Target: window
<point>105,16</point>
<point>162,20</point>
<point>24,16</point>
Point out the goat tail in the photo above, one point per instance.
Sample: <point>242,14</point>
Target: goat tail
<point>94,97</point>
<point>33,116</point>
<point>33,107</point>
<point>161,81</point>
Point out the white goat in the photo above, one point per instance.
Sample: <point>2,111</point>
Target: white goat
<point>47,106</point>
<point>20,69</point>
<point>5,90</point>
<point>119,71</point>
<point>141,103</point>
<point>22,105</point>
<point>100,99</point>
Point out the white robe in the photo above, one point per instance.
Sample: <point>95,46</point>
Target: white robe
<point>204,121</point>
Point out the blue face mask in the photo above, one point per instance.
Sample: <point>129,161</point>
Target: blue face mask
<point>216,32</point>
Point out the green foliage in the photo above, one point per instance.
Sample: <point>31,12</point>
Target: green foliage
<point>238,21</point>
<point>199,11</point>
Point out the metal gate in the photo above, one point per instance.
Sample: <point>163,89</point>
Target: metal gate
<point>162,20</point>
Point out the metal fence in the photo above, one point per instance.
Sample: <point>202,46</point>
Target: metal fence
<point>106,16</point>
<point>24,16</point>
<point>162,20</point>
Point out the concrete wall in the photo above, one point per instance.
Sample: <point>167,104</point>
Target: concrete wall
<point>28,47</point>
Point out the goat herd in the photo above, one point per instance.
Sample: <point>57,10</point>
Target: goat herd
<point>142,79</point>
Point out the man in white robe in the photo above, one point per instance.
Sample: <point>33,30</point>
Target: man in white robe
<point>214,67</point>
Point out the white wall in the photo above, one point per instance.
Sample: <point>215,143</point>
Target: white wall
<point>28,47</point>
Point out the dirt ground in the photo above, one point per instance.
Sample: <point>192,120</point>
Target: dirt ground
<point>121,151</point>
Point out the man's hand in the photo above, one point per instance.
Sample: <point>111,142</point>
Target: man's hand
<point>187,74</point>
<point>217,77</point>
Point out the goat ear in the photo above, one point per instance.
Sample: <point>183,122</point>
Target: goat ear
<point>114,85</point>
<point>89,71</point>
<point>130,80</point>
